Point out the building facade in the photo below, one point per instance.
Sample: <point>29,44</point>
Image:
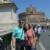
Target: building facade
<point>33,16</point>
<point>7,15</point>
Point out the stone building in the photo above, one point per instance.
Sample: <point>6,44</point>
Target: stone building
<point>33,16</point>
<point>8,19</point>
<point>7,15</point>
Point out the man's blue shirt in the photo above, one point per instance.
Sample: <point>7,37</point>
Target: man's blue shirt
<point>18,33</point>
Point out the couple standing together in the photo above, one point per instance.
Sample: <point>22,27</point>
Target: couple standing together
<point>23,36</point>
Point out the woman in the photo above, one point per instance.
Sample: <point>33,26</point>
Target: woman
<point>30,37</point>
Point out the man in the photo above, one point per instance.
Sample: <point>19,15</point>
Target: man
<point>18,35</point>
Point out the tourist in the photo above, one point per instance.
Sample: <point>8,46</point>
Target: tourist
<point>18,35</point>
<point>39,31</point>
<point>35,29</point>
<point>30,37</point>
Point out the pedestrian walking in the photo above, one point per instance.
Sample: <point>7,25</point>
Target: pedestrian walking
<point>35,29</point>
<point>18,37</point>
<point>39,31</point>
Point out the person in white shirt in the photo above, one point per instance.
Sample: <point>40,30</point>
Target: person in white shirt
<point>39,31</point>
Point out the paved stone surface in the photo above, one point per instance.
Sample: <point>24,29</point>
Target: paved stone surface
<point>45,40</point>
<point>38,47</point>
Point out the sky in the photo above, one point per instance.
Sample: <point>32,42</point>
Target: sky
<point>41,5</point>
